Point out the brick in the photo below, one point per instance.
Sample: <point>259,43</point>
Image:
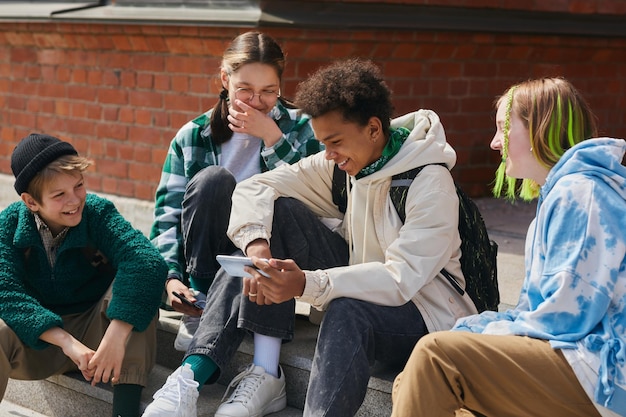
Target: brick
<point>143,117</point>
<point>182,102</point>
<point>108,185</point>
<point>125,188</point>
<point>146,81</point>
<point>144,135</point>
<point>113,168</point>
<point>53,90</point>
<point>79,76</point>
<point>145,99</point>
<point>114,60</point>
<point>158,155</point>
<point>151,62</point>
<point>81,128</point>
<point>23,55</point>
<point>121,43</point>
<point>111,96</point>
<point>112,131</point>
<point>180,83</point>
<point>144,172</point>
<point>185,65</point>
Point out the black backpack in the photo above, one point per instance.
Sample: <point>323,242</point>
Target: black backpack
<point>478,252</point>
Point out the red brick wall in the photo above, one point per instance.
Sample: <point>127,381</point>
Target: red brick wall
<point>119,92</point>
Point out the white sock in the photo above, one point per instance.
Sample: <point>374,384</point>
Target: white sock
<point>267,353</point>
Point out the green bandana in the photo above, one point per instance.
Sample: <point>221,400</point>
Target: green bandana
<point>396,140</point>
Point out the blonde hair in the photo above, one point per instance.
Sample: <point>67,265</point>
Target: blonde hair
<point>66,164</point>
<point>557,118</point>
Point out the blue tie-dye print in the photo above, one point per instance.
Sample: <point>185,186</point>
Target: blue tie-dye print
<point>574,292</point>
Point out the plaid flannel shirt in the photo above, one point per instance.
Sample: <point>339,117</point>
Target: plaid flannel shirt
<point>193,149</point>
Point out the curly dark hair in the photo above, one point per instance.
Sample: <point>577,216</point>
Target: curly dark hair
<point>354,87</point>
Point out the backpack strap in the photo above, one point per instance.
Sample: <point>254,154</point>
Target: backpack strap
<point>400,184</point>
<point>339,189</point>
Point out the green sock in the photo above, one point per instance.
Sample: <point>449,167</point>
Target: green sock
<point>126,400</point>
<point>202,366</point>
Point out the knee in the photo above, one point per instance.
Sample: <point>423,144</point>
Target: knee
<point>213,184</point>
<point>345,313</point>
<point>211,178</point>
<point>442,345</point>
<point>285,205</point>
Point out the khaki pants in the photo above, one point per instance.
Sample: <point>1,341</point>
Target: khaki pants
<point>18,361</point>
<point>497,376</point>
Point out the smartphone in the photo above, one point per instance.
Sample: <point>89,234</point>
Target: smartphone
<point>234,265</point>
<point>184,300</point>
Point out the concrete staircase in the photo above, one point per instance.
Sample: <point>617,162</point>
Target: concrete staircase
<point>70,396</point>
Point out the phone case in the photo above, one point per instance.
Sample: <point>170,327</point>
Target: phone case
<point>234,265</point>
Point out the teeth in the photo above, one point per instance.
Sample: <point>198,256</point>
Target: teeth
<point>343,163</point>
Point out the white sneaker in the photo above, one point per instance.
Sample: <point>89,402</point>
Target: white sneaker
<point>257,393</point>
<point>188,325</point>
<point>177,398</point>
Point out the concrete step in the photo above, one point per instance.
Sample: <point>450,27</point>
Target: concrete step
<point>296,360</point>
<point>69,395</point>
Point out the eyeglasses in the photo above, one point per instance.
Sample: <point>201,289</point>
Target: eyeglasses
<point>247,94</point>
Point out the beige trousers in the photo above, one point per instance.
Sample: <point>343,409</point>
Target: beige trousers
<point>19,361</point>
<point>497,376</point>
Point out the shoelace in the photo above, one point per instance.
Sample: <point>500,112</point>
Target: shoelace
<point>167,393</point>
<point>245,384</point>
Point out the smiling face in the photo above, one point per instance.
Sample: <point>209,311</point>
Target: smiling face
<point>261,79</point>
<point>351,146</point>
<point>62,201</point>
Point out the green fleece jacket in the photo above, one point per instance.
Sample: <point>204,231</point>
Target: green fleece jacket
<point>34,296</point>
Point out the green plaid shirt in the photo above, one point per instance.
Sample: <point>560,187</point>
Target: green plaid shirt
<point>193,149</point>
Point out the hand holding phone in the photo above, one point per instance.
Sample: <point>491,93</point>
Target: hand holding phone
<point>184,300</point>
<point>234,265</point>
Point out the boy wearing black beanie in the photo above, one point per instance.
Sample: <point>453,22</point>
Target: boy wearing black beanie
<point>79,286</point>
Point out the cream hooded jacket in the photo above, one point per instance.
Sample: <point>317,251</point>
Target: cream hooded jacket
<point>391,263</point>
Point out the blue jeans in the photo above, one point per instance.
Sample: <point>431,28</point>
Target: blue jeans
<point>353,333</point>
<point>204,220</point>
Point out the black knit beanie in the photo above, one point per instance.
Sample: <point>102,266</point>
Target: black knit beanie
<point>33,154</point>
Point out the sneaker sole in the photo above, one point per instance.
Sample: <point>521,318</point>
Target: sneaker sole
<point>275,406</point>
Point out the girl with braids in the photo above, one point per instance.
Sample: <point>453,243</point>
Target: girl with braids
<point>561,351</point>
<point>251,129</point>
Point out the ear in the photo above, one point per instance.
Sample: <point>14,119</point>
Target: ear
<point>224,78</point>
<point>375,129</point>
<point>30,202</point>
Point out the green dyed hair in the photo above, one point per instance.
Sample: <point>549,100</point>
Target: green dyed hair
<point>557,118</point>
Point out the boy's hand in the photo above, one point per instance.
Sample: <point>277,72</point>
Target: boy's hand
<point>286,281</point>
<point>106,363</point>
<point>175,285</point>
<point>72,348</point>
<point>80,355</point>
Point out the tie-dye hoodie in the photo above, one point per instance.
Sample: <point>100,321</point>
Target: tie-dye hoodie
<point>574,292</point>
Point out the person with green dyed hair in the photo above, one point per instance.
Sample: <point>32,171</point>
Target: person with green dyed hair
<point>556,117</point>
<point>561,352</point>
